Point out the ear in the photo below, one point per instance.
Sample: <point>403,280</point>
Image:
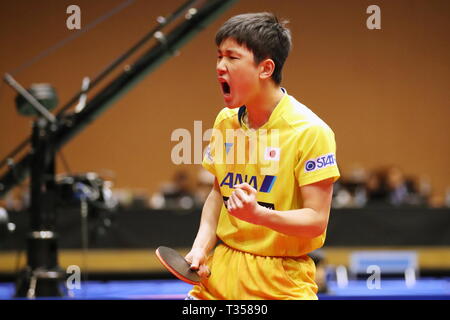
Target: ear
<point>267,67</point>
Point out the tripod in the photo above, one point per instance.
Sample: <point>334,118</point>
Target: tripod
<point>42,275</point>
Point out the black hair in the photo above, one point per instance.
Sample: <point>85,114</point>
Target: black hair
<point>262,34</point>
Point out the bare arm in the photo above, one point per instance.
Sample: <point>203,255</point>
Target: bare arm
<point>206,237</point>
<point>310,221</point>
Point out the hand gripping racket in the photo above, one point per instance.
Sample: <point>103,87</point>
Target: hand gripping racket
<point>177,265</point>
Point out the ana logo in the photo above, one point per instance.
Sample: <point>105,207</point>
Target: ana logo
<point>232,179</point>
<point>320,162</point>
<point>272,153</point>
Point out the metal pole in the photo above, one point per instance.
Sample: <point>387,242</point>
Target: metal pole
<point>195,21</point>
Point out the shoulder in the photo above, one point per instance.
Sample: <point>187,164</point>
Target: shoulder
<point>224,115</point>
<point>303,120</point>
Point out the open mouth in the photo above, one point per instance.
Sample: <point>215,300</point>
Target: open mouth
<point>226,88</point>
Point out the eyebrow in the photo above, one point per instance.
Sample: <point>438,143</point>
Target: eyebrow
<point>229,51</point>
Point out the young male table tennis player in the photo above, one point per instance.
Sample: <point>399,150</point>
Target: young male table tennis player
<point>267,220</point>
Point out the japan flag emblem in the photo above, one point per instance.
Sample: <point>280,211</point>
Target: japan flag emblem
<point>272,154</point>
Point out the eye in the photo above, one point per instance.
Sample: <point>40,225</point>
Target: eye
<point>233,58</point>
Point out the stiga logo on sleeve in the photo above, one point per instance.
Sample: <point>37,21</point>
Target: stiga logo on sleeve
<point>320,162</point>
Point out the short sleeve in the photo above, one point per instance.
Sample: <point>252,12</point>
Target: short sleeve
<point>317,157</point>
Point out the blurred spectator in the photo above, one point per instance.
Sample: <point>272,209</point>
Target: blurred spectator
<point>350,192</point>
<point>418,191</point>
<point>376,188</point>
<point>342,198</point>
<point>384,187</point>
<point>205,182</point>
<point>396,183</point>
<point>404,191</point>
<point>175,194</point>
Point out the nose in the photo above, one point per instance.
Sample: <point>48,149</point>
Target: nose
<point>221,67</point>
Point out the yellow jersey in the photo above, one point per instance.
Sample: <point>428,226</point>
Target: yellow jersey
<point>292,149</point>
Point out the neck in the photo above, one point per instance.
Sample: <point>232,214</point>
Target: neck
<point>260,109</point>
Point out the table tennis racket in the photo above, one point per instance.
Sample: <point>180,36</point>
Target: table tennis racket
<point>177,265</point>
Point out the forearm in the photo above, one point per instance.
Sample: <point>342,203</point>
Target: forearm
<point>305,222</point>
<point>206,237</point>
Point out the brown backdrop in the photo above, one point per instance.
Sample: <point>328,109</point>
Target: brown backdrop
<point>384,92</point>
